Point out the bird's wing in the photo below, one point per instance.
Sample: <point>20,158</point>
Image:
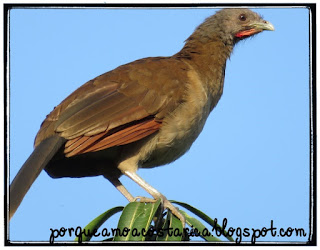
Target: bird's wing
<point>118,107</point>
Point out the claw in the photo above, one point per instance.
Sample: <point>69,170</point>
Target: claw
<point>166,204</point>
<point>175,211</point>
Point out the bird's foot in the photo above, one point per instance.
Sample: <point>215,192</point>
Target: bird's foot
<point>143,199</point>
<point>165,204</point>
<point>175,211</point>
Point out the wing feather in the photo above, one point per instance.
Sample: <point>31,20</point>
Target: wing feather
<point>118,107</point>
<point>124,136</point>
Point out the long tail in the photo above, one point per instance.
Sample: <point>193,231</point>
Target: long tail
<point>31,169</point>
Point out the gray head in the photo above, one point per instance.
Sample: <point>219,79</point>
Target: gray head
<point>232,25</point>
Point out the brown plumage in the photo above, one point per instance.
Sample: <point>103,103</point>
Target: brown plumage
<point>143,114</point>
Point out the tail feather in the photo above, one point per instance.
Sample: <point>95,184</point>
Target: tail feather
<point>31,169</point>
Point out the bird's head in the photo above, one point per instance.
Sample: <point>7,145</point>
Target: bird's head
<point>232,25</point>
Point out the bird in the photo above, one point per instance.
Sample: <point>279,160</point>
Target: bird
<point>142,114</point>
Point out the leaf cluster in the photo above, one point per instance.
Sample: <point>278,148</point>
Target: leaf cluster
<point>141,221</point>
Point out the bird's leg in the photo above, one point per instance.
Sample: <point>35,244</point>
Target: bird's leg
<point>118,185</point>
<point>122,189</point>
<point>155,194</point>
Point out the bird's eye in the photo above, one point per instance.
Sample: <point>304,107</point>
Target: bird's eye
<point>242,17</point>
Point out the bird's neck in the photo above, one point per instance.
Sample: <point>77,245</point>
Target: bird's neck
<point>208,59</point>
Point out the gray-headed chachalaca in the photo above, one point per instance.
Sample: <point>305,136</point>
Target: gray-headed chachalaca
<point>140,115</point>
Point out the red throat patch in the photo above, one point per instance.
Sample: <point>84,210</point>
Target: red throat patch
<point>246,33</point>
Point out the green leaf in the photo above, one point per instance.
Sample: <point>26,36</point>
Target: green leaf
<point>199,228</point>
<point>143,222</point>
<point>135,221</point>
<point>127,218</point>
<point>89,229</point>
<point>203,216</point>
<point>172,229</point>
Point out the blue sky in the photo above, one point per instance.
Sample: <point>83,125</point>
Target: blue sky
<point>249,165</point>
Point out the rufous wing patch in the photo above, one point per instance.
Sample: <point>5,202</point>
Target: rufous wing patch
<point>122,135</point>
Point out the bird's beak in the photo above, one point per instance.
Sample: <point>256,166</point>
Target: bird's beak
<point>254,28</point>
<point>262,25</point>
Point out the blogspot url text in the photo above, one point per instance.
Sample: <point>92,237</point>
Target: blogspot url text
<point>238,234</point>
